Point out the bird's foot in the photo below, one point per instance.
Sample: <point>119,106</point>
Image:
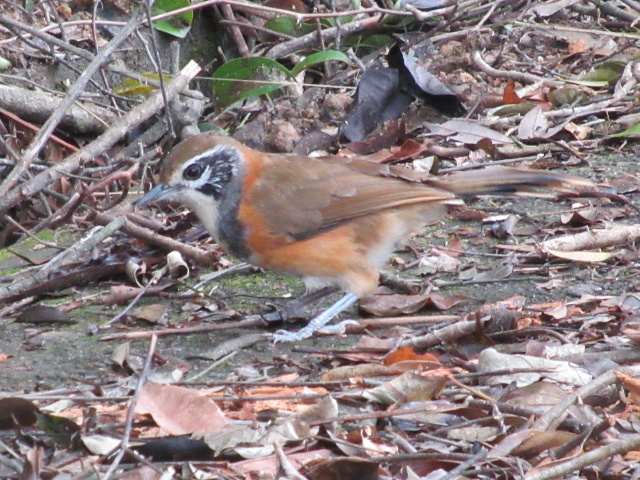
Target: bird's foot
<point>306,332</point>
<point>319,322</point>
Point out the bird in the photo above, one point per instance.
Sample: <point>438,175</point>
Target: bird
<point>332,221</point>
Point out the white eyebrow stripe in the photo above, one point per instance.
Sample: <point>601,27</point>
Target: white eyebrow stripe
<point>208,153</point>
<point>206,174</point>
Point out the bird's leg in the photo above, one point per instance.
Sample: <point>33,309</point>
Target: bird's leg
<point>298,308</point>
<point>318,322</point>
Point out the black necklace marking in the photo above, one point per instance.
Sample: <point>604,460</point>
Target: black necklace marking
<point>223,167</point>
<point>232,232</point>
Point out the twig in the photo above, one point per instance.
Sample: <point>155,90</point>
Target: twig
<point>129,121</point>
<point>471,461</point>
<point>526,412</point>
<point>74,92</point>
<point>444,335</point>
<point>408,320</point>
<point>128,426</point>
<point>589,458</point>
<point>236,34</point>
<point>214,365</point>
<point>484,20</point>
<point>54,10</point>
<point>117,176</point>
<point>554,416</point>
<point>14,307</point>
<point>252,322</point>
<point>512,74</point>
<point>31,235</point>
<point>202,257</point>
<point>563,28</point>
<point>154,280</point>
<point>287,467</point>
<point>29,125</point>
<point>286,48</point>
<point>94,35</point>
<point>157,61</point>
<point>471,390</point>
<point>63,258</point>
<point>257,29</point>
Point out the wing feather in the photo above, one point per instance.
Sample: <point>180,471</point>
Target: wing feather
<point>313,198</point>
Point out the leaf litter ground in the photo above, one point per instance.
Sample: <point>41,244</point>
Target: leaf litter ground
<point>478,395</point>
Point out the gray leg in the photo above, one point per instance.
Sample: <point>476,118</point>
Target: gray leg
<point>318,322</point>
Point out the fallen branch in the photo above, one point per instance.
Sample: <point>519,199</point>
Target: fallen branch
<point>575,464</point>
<point>199,256</point>
<point>447,334</point>
<point>595,239</point>
<point>39,106</point>
<point>74,92</point>
<point>127,123</point>
<point>68,256</point>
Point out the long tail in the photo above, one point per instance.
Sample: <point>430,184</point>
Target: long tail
<point>508,181</point>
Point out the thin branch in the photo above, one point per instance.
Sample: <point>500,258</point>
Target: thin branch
<point>129,121</point>
<point>554,416</point>
<point>586,459</point>
<point>63,258</point>
<point>74,92</point>
<point>128,426</point>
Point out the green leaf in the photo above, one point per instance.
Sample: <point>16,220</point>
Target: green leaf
<point>309,26</point>
<point>4,64</point>
<point>286,25</point>
<point>177,25</point>
<point>248,77</point>
<point>290,26</point>
<point>373,41</point>
<point>635,130</point>
<point>130,86</point>
<point>319,57</point>
<point>606,74</point>
<point>397,21</point>
<point>210,127</point>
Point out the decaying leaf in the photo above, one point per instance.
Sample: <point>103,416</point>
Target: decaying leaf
<point>407,387</point>
<point>562,372</point>
<point>180,410</point>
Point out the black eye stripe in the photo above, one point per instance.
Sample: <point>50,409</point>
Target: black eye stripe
<point>192,172</point>
<point>210,172</point>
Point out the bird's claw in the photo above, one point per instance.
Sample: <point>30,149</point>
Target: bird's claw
<point>308,331</point>
<point>338,328</point>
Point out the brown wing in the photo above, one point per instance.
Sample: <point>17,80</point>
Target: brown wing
<point>313,198</point>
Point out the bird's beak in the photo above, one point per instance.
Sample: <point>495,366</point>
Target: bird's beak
<point>159,192</point>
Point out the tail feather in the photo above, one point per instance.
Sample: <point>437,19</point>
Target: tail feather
<point>508,181</point>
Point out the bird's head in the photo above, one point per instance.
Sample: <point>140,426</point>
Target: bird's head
<point>197,171</point>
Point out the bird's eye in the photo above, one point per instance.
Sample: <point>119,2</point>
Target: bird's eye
<point>192,172</point>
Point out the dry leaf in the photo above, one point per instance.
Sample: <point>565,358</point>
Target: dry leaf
<point>180,411</point>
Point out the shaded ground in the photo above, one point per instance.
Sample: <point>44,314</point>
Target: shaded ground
<point>447,396</point>
<point>59,356</point>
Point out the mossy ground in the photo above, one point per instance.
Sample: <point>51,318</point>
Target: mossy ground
<point>53,356</point>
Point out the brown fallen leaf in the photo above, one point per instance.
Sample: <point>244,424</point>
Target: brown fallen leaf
<point>180,411</point>
<point>393,305</point>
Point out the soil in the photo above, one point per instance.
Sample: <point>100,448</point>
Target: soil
<point>44,357</point>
